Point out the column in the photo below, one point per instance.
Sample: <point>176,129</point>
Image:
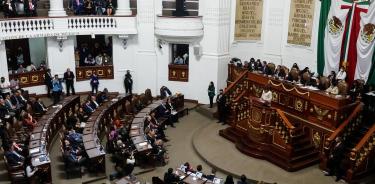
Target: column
<point>215,43</point>
<point>3,61</point>
<point>123,8</point>
<point>146,66</point>
<point>56,8</point>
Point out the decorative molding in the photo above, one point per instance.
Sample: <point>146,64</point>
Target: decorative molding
<point>124,39</point>
<point>60,41</point>
<point>51,27</point>
<point>179,29</point>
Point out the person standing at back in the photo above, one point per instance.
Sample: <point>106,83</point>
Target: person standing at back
<point>69,81</point>
<point>211,93</point>
<point>94,82</point>
<point>128,82</point>
<point>221,106</point>
<point>48,81</point>
<point>56,89</point>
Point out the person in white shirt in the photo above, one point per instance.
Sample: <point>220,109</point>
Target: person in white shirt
<point>4,87</point>
<point>266,95</point>
<point>178,61</point>
<point>341,75</point>
<point>99,60</point>
<point>31,67</point>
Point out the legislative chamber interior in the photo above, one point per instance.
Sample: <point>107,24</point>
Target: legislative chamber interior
<point>187,91</point>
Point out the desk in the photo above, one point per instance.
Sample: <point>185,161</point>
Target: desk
<point>95,127</point>
<point>42,135</point>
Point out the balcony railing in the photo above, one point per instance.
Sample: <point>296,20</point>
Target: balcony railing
<point>66,26</point>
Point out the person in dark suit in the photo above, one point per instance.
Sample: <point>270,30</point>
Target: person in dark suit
<point>69,81</point>
<point>87,107</point>
<point>221,106</point>
<point>30,7</point>
<point>13,157</point>
<point>335,158</point>
<point>18,100</point>
<point>170,177</point>
<point>94,82</point>
<point>128,82</point>
<point>164,92</point>
<point>243,180</point>
<point>48,81</point>
<point>229,180</point>
<point>39,106</point>
<point>93,103</point>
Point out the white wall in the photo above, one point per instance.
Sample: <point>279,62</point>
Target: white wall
<point>3,61</point>
<point>273,46</point>
<point>149,64</point>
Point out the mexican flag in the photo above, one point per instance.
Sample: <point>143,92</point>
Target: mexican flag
<point>331,34</point>
<point>346,38</point>
<point>358,46</point>
<point>365,46</point>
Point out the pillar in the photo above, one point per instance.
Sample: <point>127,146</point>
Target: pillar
<point>56,8</point>
<point>123,8</point>
<point>3,61</point>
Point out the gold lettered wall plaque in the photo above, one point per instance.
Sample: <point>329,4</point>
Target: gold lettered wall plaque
<point>301,22</point>
<point>248,25</point>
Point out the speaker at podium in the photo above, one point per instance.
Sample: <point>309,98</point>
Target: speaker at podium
<point>180,9</point>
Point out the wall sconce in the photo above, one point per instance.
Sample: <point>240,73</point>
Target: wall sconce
<point>161,43</point>
<point>60,42</point>
<point>124,39</point>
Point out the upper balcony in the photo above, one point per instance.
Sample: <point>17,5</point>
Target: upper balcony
<point>185,29</point>
<point>66,26</point>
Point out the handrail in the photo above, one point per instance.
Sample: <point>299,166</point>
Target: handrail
<point>341,128</point>
<point>285,119</point>
<point>239,96</point>
<point>235,82</point>
<point>365,138</point>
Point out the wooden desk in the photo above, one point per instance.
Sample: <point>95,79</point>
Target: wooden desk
<point>42,135</point>
<point>95,128</point>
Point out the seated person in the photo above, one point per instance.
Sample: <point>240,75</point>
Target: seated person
<point>13,157</point>
<point>280,72</point>
<point>341,75</point>
<point>243,180</point>
<point>171,112</point>
<point>87,108</point>
<point>212,175</point>
<point>295,65</point>
<point>102,96</point>
<point>74,138</point>
<point>4,111</point>
<point>266,95</point>
<point>188,167</point>
<point>89,60</point>
<point>18,100</point>
<point>93,103</point>
<point>170,177</point>
<point>31,67</point>
<point>164,92</point>
<point>199,172</point>
<point>74,156</point>
<point>39,106</point>
<point>178,60</point>
<point>155,125</point>
<point>29,121</point>
<point>333,89</point>
<point>81,115</point>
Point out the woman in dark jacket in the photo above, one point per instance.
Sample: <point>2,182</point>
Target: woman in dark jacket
<point>94,82</point>
<point>211,93</point>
